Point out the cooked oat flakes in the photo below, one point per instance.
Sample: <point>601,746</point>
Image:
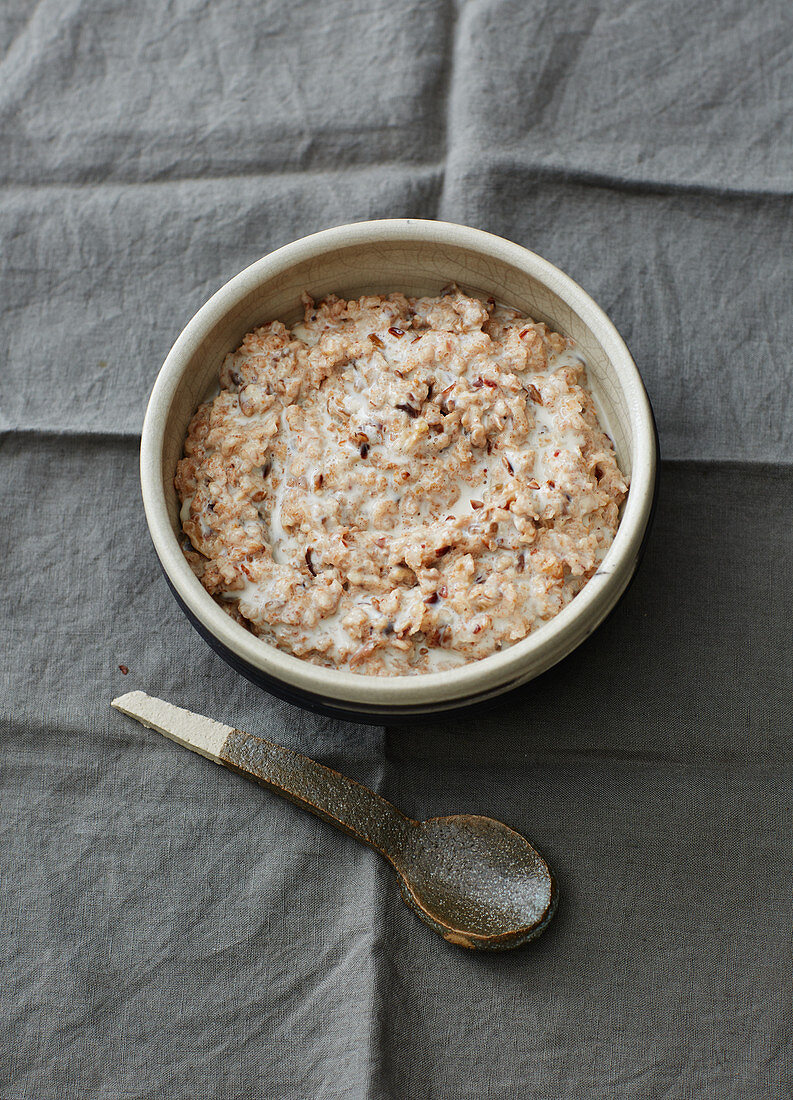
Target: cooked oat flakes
<point>399,485</point>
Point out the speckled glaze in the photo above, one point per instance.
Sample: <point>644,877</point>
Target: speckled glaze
<point>417,258</point>
<point>473,880</point>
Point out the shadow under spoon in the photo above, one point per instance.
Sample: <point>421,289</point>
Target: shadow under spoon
<point>473,880</point>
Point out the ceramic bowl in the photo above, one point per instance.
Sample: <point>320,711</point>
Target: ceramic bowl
<point>418,258</point>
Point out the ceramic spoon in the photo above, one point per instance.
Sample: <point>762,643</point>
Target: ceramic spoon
<point>473,880</point>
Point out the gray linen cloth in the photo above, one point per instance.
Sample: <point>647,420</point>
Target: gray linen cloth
<point>172,931</point>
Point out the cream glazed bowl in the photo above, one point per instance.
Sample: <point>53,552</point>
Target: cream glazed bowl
<point>417,258</point>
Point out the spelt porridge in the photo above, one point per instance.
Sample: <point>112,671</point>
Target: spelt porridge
<point>398,485</point>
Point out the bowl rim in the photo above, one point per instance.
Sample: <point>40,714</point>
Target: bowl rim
<point>518,663</point>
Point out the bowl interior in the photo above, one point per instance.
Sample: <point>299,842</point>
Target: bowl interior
<point>415,268</point>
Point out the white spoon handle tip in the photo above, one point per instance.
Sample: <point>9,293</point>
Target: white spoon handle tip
<point>194,731</point>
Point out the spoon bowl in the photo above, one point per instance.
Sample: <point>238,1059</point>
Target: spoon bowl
<point>475,881</point>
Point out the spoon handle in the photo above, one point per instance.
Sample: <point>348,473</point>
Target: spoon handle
<point>329,795</point>
<point>334,797</point>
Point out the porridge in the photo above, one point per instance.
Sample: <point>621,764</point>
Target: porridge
<point>398,485</point>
